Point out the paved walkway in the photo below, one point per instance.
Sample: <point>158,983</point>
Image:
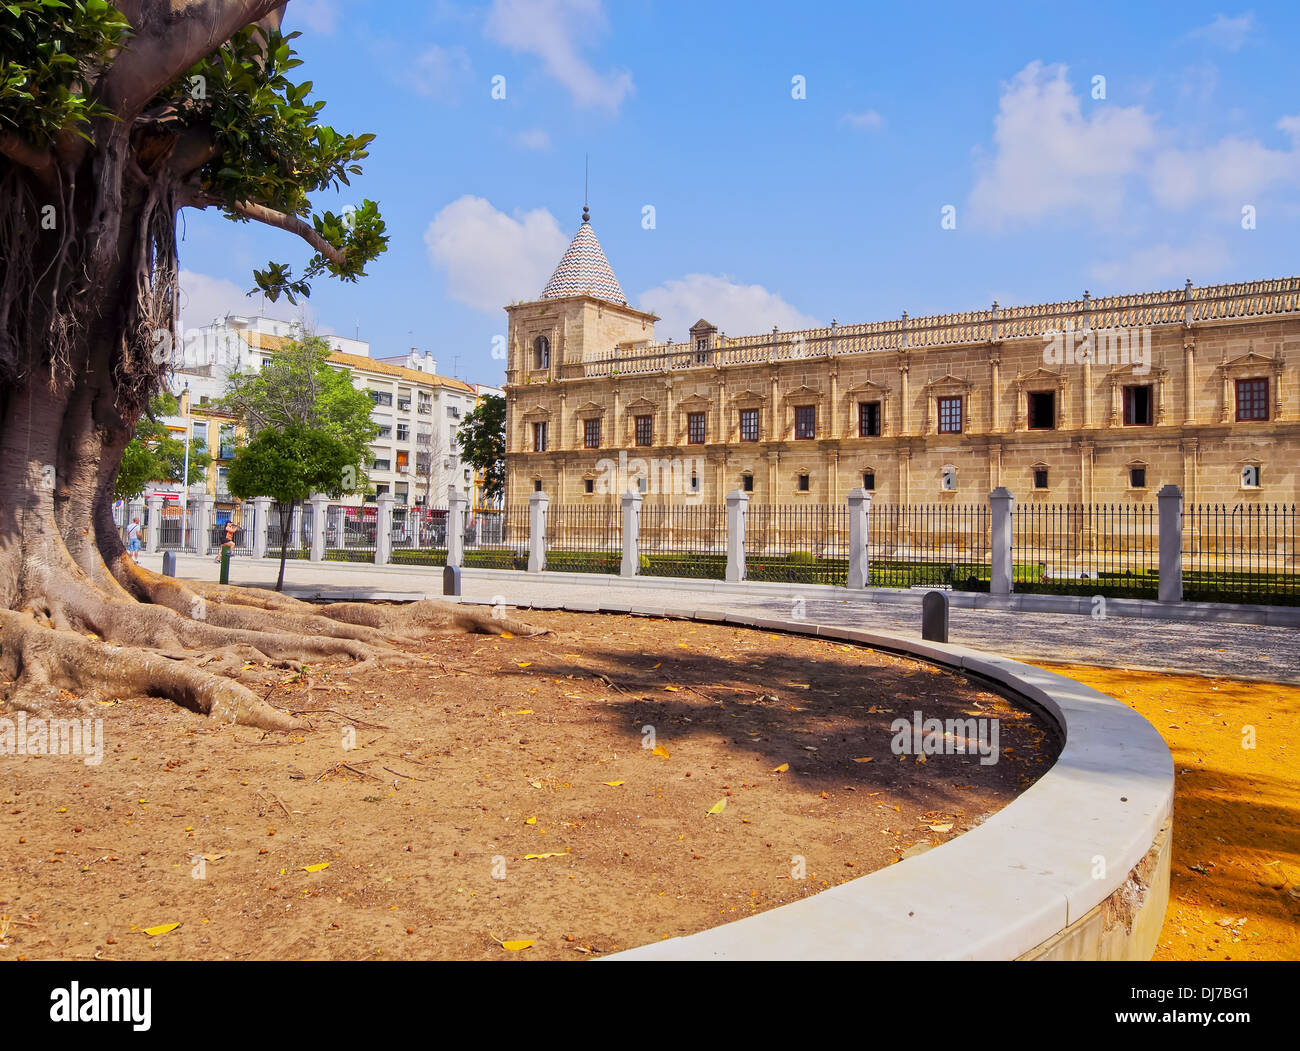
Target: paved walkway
<point>1241,651</point>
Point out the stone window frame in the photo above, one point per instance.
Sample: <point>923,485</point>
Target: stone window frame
<point>641,407</point>
<point>588,484</point>
<point>796,398</point>
<point>1122,376</point>
<point>1257,382</point>
<point>1251,365</point>
<point>1041,381</point>
<point>812,434</point>
<point>1242,465</point>
<point>949,386</point>
<point>693,405</point>
<point>540,360</point>
<point>869,469</point>
<point>1137,464</point>
<point>865,392</point>
<point>588,413</point>
<point>803,481</point>
<point>747,474</point>
<point>943,475</point>
<point>1034,468</point>
<point>743,402</point>
<point>537,414</point>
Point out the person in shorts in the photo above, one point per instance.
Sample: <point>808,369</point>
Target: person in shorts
<point>133,540</point>
<point>229,542</point>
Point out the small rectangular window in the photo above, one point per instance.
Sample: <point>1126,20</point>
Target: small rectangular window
<point>1042,410</point>
<point>589,485</point>
<point>749,425</point>
<point>1040,477</point>
<point>1137,406</point>
<point>539,437</point>
<point>869,480</point>
<point>591,433</point>
<point>695,428</point>
<point>747,483</point>
<point>537,485</point>
<point>1137,477</point>
<point>695,483</point>
<point>950,415</point>
<point>645,430</point>
<point>803,483</point>
<point>868,419</point>
<point>805,421</point>
<point>1252,399</point>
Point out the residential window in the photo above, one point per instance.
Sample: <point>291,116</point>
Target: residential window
<point>1042,410</point>
<point>591,433</point>
<point>1137,477</point>
<point>645,430</point>
<point>1252,399</point>
<point>386,430</point>
<point>1137,406</point>
<point>805,421</point>
<point>424,403</point>
<point>868,419</point>
<point>1040,477</point>
<point>383,465</point>
<point>803,483</point>
<point>695,428</point>
<point>589,485</point>
<point>541,353</point>
<point>381,397</point>
<point>950,415</point>
<point>403,460</point>
<point>539,437</point>
<point>869,480</point>
<point>749,425</point>
<point>403,432</point>
<point>747,483</point>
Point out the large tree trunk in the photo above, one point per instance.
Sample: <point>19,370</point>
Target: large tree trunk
<point>83,307</point>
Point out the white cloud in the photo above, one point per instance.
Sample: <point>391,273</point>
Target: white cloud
<point>492,259</point>
<point>1234,171</point>
<point>1225,32</point>
<point>552,30</point>
<point>533,139</point>
<point>1162,265</point>
<point>319,16</point>
<point>869,120</point>
<point>440,72</point>
<point>1051,159</point>
<point>741,310</point>
<point>204,299</point>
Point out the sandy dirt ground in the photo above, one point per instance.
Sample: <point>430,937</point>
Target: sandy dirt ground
<point>1235,883</point>
<point>618,781</point>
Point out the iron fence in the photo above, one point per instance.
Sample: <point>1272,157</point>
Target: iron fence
<point>176,528</point>
<point>244,516</point>
<point>499,540</point>
<point>1086,549</point>
<point>419,536</point>
<point>584,538</point>
<point>351,532</point>
<point>683,540</point>
<point>297,528</point>
<point>804,544</point>
<point>1245,553</point>
<point>930,545</point>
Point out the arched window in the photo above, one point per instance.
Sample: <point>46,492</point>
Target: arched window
<point>541,353</point>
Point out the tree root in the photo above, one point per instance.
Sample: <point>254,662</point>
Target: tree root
<point>428,615</point>
<point>41,661</point>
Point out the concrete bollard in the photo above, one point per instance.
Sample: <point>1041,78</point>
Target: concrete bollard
<point>934,617</point>
<point>451,580</point>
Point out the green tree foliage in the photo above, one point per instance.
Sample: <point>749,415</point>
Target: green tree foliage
<point>482,441</point>
<point>289,464</point>
<point>156,455</point>
<point>299,388</point>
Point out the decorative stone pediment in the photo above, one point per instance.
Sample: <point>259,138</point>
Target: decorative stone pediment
<point>641,407</point>
<point>948,384</point>
<point>695,403</point>
<point>804,393</point>
<point>1040,378</point>
<point>867,389</point>
<point>748,399</point>
<point>589,411</point>
<point>537,414</point>
<point>1124,373</point>
<point>1250,361</point>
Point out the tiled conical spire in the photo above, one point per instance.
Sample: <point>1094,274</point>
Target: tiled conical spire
<point>584,270</point>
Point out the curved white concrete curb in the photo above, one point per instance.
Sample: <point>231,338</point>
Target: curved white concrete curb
<point>1000,890</point>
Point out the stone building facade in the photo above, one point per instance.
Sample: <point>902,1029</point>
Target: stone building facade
<point>1088,400</point>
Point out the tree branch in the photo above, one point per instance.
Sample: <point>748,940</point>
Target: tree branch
<point>17,149</point>
<point>293,225</point>
<point>170,36</point>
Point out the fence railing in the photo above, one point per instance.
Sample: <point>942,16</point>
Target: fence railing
<point>1074,547</point>
<point>805,544</point>
<point>683,540</point>
<point>930,545</point>
<point>1247,553</point>
<point>584,539</point>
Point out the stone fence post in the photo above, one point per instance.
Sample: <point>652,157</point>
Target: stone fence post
<point>261,524</point>
<point>859,538</point>
<point>537,504</point>
<point>154,536</point>
<point>737,512</point>
<point>1170,499</point>
<point>203,523</point>
<point>457,506</point>
<point>384,529</point>
<point>320,505</point>
<point>631,564</point>
<point>1001,504</point>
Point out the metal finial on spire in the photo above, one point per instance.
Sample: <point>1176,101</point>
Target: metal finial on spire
<point>586,179</point>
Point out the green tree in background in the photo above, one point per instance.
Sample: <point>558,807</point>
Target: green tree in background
<point>482,441</point>
<point>157,455</point>
<point>289,464</point>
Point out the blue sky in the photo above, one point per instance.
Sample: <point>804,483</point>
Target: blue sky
<point>771,209</point>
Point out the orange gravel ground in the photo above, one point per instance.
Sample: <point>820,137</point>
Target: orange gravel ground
<point>1235,887</point>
